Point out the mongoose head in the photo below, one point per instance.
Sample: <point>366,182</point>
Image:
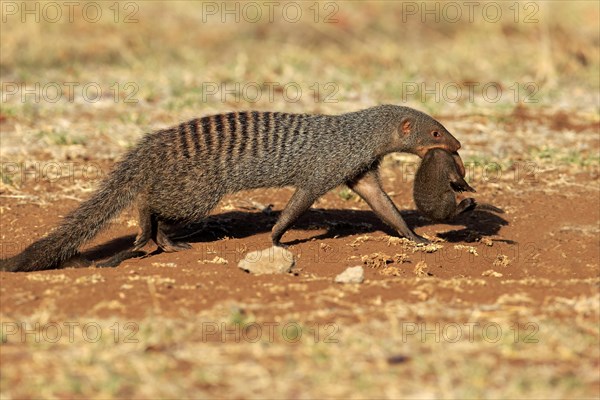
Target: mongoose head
<point>419,133</point>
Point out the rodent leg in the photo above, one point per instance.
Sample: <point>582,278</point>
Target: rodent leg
<point>465,205</point>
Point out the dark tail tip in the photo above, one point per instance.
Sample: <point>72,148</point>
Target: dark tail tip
<point>9,264</point>
<point>38,256</point>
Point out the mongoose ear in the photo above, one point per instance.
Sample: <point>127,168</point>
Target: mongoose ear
<point>406,126</point>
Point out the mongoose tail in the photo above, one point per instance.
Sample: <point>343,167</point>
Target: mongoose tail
<point>117,191</point>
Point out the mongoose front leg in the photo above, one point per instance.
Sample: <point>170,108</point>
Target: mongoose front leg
<point>369,188</point>
<point>301,201</point>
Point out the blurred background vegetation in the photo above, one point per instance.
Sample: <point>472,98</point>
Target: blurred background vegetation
<point>156,62</point>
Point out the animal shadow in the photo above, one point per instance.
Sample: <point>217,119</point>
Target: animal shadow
<point>337,223</point>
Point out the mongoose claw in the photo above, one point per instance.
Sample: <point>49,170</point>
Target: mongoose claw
<point>118,258</point>
<point>279,244</point>
<point>173,247</point>
<point>419,239</point>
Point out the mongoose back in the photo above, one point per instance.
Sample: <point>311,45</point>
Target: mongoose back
<point>436,181</point>
<point>179,174</point>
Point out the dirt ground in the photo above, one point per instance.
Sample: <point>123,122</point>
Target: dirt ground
<point>544,246</point>
<point>525,275</point>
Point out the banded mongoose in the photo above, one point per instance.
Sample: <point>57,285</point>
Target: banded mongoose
<point>436,181</point>
<point>179,174</point>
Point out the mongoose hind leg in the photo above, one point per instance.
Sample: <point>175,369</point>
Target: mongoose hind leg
<point>368,187</point>
<point>165,243</point>
<point>148,225</point>
<point>300,201</point>
<point>465,206</point>
<point>153,228</point>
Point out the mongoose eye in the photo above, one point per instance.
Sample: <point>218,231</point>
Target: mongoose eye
<point>436,134</point>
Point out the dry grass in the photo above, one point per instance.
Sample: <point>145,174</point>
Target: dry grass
<point>422,350</point>
<point>369,56</point>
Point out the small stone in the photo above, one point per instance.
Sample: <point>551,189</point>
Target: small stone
<point>216,260</point>
<point>491,272</point>
<point>274,260</point>
<point>351,275</point>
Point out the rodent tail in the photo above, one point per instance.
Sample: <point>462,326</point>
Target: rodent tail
<point>116,192</point>
<point>489,207</point>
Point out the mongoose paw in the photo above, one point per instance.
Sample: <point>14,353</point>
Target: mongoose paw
<point>419,239</point>
<point>118,258</point>
<point>461,186</point>
<point>279,244</point>
<point>140,243</point>
<point>172,247</point>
